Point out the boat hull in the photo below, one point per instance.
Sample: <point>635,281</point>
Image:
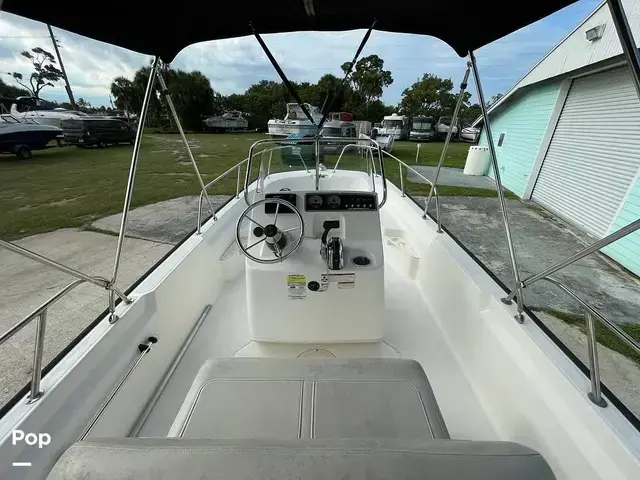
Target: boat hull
<point>281,129</point>
<point>35,139</point>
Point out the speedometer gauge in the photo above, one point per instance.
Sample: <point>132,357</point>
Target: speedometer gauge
<point>315,201</point>
<point>333,201</point>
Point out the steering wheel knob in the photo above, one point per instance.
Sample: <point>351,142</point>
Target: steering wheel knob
<point>258,231</point>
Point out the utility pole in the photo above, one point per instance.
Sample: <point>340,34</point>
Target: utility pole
<point>64,72</point>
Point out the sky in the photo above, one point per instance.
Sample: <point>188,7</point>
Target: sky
<point>235,64</point>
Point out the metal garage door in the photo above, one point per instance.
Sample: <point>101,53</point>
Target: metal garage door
<point>594,153</point>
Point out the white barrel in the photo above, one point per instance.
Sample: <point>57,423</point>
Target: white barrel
<point>477,161</point>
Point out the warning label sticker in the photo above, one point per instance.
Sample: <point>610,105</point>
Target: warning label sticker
<point>342,277</point>
<point>297,286</point>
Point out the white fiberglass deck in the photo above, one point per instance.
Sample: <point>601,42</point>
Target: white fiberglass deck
<point>411,334</point>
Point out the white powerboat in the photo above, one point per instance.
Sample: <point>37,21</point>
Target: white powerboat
<point>470,134</point>
<point>320,324</point>
<point>443,126</point>
<point>296,122</point>
<point>227,122</point>
<point>52,117</point>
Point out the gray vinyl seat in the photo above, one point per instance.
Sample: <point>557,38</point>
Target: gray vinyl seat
<point>312,419</point>
<point>355,459</point>
<point>290,399</point>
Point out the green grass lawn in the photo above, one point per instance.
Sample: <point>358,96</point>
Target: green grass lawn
<point>70,187</point>
<point>604,336</point>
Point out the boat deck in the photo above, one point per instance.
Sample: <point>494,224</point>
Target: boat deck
<point>411,334</point>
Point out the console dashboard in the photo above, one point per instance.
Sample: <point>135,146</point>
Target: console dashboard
<point>324,202</point>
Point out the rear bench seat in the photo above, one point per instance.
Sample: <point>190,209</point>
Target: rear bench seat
<point>310,398</point>
<point>361,419</point>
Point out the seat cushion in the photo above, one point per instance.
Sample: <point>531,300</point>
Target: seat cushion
<point>204,459</point>
<point>310,398</point>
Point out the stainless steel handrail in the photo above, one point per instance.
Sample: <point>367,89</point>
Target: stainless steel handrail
<point>433,188</point>
<point>143,349</point>
<point>590,312</point>
<point>317,142</point>
<point>237,167</point>
<point>349,145</point>
<point>135,430</point>
<point>41,312</point>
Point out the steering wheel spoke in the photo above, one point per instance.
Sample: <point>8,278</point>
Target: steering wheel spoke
<point>256,243</point>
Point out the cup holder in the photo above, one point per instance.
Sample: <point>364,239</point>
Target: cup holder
<point>361,261</point>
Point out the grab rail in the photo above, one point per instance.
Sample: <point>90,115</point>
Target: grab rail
<point>238,167</point>
<point>316,141</point>
<point>433,188</point>
<point>41,312</point>
<point>595,395</point>
<point>143,349</point>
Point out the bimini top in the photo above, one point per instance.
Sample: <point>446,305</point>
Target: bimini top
<point>165,28</point>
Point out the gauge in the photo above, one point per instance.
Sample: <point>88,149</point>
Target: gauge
<point>315,201</point>
<point>333,201</point>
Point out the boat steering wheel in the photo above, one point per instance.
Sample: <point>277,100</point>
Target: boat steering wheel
<point>281,243</point>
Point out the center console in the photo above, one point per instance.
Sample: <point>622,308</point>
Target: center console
<point>316,297</point>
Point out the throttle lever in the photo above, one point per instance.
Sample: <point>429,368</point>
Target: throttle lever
<point>327,225</point>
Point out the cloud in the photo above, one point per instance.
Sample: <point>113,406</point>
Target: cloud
<point>233,65</point>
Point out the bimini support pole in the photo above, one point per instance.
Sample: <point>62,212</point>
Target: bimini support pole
<point>130,181</point>
<point>496,172</point>
<point>176,118</point>
<point>456,111</point>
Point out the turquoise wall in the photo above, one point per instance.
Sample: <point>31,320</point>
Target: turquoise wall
<point>524,121</point>
<point>626,251</point>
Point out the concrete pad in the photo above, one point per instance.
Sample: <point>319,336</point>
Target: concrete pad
<point>450,176</point>
<point>540,241</point>
<point>166,222</point>
<point>25,285</point>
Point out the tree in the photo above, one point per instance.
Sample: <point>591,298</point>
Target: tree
<point>122,91</point>
<point>494,99</point>
<point>83,105</point>
<point>369,78</point>
<point>470,113</point>
<point>431,96</point>
<point>45,74</point>
<point>11,91</point>
<point>191,93</point>
<point>333,97</point>
<point>192,96</point>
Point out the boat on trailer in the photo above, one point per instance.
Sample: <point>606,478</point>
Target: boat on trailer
<point>319,324</point>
